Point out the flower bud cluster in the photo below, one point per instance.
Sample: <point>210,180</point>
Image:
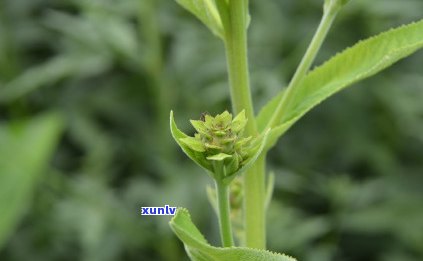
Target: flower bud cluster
<point>220,140</point>
<point>219,145</point>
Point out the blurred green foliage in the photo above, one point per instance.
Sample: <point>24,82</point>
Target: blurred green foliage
<point>348,176</point>
<point>33,143</point>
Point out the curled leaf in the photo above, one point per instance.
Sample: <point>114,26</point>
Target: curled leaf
<point>200,250</point>
<point>178,136</point>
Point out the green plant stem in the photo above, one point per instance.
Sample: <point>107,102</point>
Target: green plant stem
<point>293,88</point>
<point>237,60</point>
<point>225,226</point>
<point>254,179</point>
<point>254,205</point>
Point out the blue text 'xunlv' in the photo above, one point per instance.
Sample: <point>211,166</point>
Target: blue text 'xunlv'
<point>154,211</point>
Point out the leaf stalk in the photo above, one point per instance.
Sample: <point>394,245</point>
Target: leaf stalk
<point>329,15</point>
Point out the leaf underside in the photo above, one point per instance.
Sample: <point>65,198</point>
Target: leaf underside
<point>200,250</point>
<point>356,63</point>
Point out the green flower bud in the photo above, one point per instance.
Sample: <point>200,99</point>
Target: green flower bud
<point>219,144</point>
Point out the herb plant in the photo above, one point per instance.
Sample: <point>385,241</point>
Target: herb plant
<point>230,148</point>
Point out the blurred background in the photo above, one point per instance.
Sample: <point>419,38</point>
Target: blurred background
<point>86,87</point>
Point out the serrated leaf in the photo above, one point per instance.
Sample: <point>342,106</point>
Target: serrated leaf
<point>200,250</point>
<point>359,62</point>
<point>25,150</point>
<point>178,135</point>
<point>207,12</point>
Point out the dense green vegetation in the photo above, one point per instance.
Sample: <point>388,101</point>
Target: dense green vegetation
<point>105,75</point>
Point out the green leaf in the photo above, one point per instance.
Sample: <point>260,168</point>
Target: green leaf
<point>225,118</point>
<point>223,8</point>
<point>207,12</point>
<point>193,143</point>
<point>200,127</point>
<point>359,62</point>
<point>179,136</point>
<point>239,122</point>
<point>51,71</point>
<point>199,250</point>
<point>25,150</point>
<point>219,157</point>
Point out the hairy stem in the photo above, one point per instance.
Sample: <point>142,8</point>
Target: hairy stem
<point>225,226</point>
<point>329,15</point>
<point>237,59</point>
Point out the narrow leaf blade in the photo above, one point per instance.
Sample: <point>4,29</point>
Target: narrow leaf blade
<point>356,63</point>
